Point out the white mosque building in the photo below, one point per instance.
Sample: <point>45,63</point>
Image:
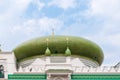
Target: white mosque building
<point>56,58</point>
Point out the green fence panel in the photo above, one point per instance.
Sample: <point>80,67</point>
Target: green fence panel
<point>27,77</point>
<point>95,77</point>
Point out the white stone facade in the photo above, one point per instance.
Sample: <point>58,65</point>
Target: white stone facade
<point>41,65</point>
<point>74,64</point>
<point>8,60</point>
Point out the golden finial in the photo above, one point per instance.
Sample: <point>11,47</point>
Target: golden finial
<point>47,41</point>
<point>67,40</point>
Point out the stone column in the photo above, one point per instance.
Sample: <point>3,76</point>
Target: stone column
<point>69,76</point>
<point>47,60</point>
<point>48,76</point>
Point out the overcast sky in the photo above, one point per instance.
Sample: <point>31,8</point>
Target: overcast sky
<point>96,20</point>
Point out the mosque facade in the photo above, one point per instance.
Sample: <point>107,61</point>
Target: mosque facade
<point>56,58</point>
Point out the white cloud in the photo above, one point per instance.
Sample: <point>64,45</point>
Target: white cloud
<point>26,28</point>
<point>65,4</point>
<point>108,10</point>
<point>12,10</point>
<point>47,23</point>
<point>39,4</point>
<point>105,7</point>
<point>9,13</point>
<point>41,25</point>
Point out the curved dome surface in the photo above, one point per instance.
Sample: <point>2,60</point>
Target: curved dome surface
<point>58,45</point>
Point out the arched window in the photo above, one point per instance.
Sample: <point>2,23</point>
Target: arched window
<point>56,52</point>
<point>1,71</point>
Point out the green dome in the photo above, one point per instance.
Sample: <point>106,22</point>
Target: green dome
<point>57,45</point>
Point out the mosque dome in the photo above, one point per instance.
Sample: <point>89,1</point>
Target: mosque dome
<point>59,45</point>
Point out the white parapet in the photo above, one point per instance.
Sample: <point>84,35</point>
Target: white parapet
<point>58,66</point>
<point>104,69</point>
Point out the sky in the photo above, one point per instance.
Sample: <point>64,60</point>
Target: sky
<point>96,20</point>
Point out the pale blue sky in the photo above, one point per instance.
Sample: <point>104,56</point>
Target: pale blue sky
<point>96,20</point>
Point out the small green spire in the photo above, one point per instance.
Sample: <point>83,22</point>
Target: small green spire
<point>47,52</point>
<point>67,52</point>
